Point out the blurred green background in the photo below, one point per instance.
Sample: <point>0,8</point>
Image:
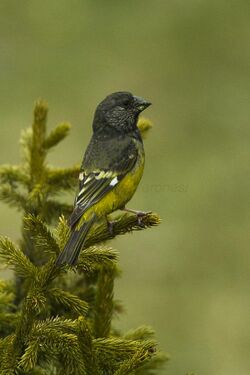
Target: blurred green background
<point>188,278</point>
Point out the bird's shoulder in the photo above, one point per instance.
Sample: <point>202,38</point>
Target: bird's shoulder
<point>110,153</point>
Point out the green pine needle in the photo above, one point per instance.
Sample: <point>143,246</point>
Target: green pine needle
<point>69,300</point>
<point>59,179</point>
<point>41,235</point>
<point>15,259</point>
<point>104,304</point>
<point>56,135</point>
<point>95,257</point>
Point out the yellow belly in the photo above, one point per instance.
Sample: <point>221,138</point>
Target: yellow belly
<point>119,196</point>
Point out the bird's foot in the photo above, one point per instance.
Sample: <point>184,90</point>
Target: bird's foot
<point>139,214</point>
<point>111,224</point>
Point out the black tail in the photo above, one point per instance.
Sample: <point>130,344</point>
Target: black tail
<point>75,243</point>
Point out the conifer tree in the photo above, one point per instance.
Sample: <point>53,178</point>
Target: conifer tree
<point>56,321</point>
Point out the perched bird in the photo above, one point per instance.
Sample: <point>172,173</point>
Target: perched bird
<point>111,169</point>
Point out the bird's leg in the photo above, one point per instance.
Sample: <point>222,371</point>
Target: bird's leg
<point>110,224</point>
<point>139,214</point>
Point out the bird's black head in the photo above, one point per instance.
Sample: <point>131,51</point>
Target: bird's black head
<point>118,112</point>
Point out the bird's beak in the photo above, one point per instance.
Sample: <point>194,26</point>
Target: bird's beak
<point>141,103</point>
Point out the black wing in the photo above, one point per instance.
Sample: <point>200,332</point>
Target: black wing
<point>104,165</point>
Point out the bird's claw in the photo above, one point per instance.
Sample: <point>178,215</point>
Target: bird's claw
<point>140,215</point>
<point>111,226</point>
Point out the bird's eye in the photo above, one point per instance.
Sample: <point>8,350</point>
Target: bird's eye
<point>126,102</point>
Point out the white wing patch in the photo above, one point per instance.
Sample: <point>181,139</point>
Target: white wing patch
<point>81,176</point>
<point>96,175</point>
<point>114,181</point>
<point>88,179</point>
<point>103,174</point>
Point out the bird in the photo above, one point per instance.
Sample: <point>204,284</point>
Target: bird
<point>111,170</point>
